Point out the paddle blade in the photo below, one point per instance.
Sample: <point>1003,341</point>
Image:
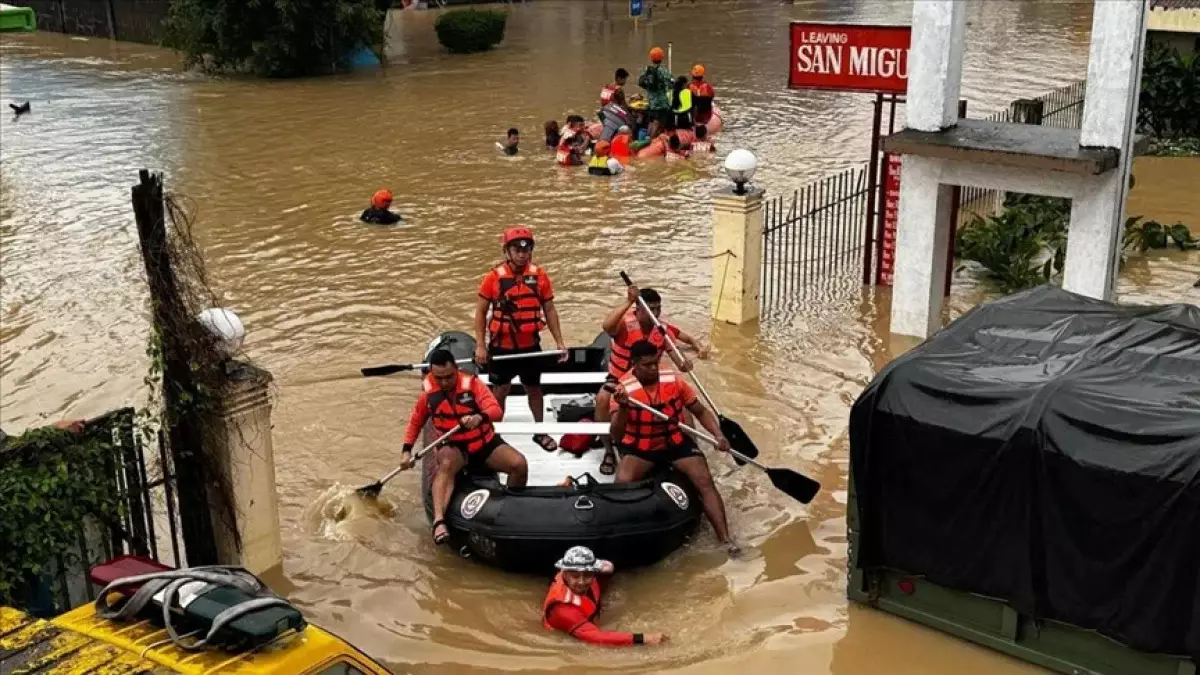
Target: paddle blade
<point>798,486</point>
<point>370,491</point>
<point>377,371</point>
<point>738,439</point>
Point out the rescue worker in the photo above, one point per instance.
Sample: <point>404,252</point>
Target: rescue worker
<point>601,164</point>
<point>450,397</point>
<point>572,143</point>
<point>702,146</point>
<point>702,96</point>
<point>620,145</point>
<point>614,116</point>
<point>675,151</point>
<point>681,104</point>
<point>379,212</point>
<point>647,443</point>
<point>656,80</point>
<point>619,79</point>
<point>626,324</point>
<point>574,600</point>
<point>516,300</point>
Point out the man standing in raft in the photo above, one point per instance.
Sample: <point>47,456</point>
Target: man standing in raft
<point>627,324</point>
<point>574,600</point>
<point>657,82</point>
<point>521,302</point>
<point>452,398</point>
<point>647,442</point>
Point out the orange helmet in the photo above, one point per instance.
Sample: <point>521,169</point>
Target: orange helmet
<point>381,199</point>
<point>698,70</point>
<point>602,147</point>
<point>657,54</point>
<point>518,234</point>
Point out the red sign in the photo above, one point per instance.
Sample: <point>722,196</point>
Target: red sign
<point>849,57</point>
<point>891,214</point>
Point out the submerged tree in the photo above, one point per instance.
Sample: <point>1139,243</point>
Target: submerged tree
<point>274,38</point>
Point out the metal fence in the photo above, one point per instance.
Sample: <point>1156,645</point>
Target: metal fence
<point>814,234</point>
<point>1062,108</point>
<point>148,524</point>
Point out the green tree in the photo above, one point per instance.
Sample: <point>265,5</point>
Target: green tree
<point>273,38</point>
<point>464,31</point>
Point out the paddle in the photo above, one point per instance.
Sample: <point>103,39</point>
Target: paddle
<point>372,491</point>
<point>392,369</point>
<point>795,485</point>
<point>729,428</point>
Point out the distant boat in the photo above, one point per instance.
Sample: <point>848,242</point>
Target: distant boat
<point>17,19</point>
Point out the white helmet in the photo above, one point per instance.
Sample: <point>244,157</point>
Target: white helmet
<point>581,559</point>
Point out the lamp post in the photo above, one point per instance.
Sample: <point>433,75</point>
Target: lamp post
<point>226,326</point>
<point>740,166</point>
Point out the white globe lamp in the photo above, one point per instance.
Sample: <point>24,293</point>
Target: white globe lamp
<point>226,327</point>
<point>740,166</point>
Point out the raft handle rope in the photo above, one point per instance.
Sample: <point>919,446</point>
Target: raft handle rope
<point>584,504</point>
<point>170,583</point>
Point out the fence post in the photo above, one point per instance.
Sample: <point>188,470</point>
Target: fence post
<point>1028,111</point>
<point>245,454</point>
<point>737,255</point>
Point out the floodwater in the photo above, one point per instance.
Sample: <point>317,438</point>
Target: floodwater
<point>277,173</point>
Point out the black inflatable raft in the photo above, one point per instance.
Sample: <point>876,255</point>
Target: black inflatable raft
<point>528,529</point>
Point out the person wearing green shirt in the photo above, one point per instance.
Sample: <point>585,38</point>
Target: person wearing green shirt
<point>656,80</point>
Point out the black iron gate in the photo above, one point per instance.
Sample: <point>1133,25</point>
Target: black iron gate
<point>819,232</point>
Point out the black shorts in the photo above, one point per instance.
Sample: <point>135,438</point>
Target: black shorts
<point>669,455</point>
<point>529,370</point>
<point>478,460</point>
<point>664,117</point>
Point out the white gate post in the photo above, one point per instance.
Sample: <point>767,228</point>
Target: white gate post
<point>737,255</point>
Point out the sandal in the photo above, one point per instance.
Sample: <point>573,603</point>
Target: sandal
<point>608,465</point>
<point>548,444</point>
<point>438,541</point>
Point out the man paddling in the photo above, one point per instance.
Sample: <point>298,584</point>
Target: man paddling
<point>626,324</point>
<point>574,600</point>
<point>520,298</point>
<point>451,398</point>
<point>646,442</point>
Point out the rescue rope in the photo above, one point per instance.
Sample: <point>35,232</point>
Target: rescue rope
<point>171,582</point>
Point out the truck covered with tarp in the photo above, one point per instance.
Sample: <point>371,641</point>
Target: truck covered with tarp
<point>1029,478</point>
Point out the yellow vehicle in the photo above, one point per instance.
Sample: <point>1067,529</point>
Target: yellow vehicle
<point>83,641</point>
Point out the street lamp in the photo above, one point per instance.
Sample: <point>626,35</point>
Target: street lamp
<point>740,166</point>
<point>226,327</point>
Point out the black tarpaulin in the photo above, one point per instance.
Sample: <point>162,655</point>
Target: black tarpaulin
<point>1044,449</point>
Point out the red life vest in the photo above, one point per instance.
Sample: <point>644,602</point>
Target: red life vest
<point>446,410</point>
<point>517,315</point>
<point>560,593</point>
<point>606,94</point>
<point>618,358</point>
<point>645,432</point>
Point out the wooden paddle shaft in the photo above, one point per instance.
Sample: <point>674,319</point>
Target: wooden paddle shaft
<point>695,432</point>
<point>421,453</point>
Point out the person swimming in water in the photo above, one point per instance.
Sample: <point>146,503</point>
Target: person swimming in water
<point>379,212</point>
<point>509,146</point>
<point>574,600</point>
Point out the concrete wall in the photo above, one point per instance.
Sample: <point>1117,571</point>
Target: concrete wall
<point>132,20</point>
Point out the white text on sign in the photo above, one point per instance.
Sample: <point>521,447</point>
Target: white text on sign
<point>825,54</point>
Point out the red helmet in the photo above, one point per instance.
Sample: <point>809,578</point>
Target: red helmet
<point>515,234</point>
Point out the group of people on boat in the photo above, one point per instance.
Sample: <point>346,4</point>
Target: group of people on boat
<point>515,303</point>
<point>629,123</point>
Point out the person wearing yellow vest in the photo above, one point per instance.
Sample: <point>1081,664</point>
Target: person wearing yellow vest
<point>574,600</point>
<point>681,104</point>
<point>601,164</point>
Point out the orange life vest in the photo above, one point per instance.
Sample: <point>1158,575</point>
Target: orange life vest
<point>561,593</point>
<point>446,410</point>
<point>645,432</point>
<point>618,358</point>
<point>517,316</point>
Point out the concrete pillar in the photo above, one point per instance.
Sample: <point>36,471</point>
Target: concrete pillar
<point>246,460</point>
<point>935,64</point>
<point>737,255</point>
<point>922,248</point>
<point>1109,117</point>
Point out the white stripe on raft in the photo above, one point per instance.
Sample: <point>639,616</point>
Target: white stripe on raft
<point>553,428</point>
<point>570,378</point>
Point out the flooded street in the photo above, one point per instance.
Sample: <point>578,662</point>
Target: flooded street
<point>278,171</point>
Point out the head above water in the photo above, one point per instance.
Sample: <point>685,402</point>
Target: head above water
<point>673,143</point>
<point>651,299</point>
<point>514,133</point>
<point>382,199</point>
<point>574,121</point>
<point>643,359</point>
<point>579,568</point>
<point>701,132</point>
<point>444,369</point>
<point>621,76</point>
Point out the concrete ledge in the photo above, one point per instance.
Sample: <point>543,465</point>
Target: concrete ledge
<point>1007,144</point>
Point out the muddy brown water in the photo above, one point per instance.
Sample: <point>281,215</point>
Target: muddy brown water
<point>278,171</point>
